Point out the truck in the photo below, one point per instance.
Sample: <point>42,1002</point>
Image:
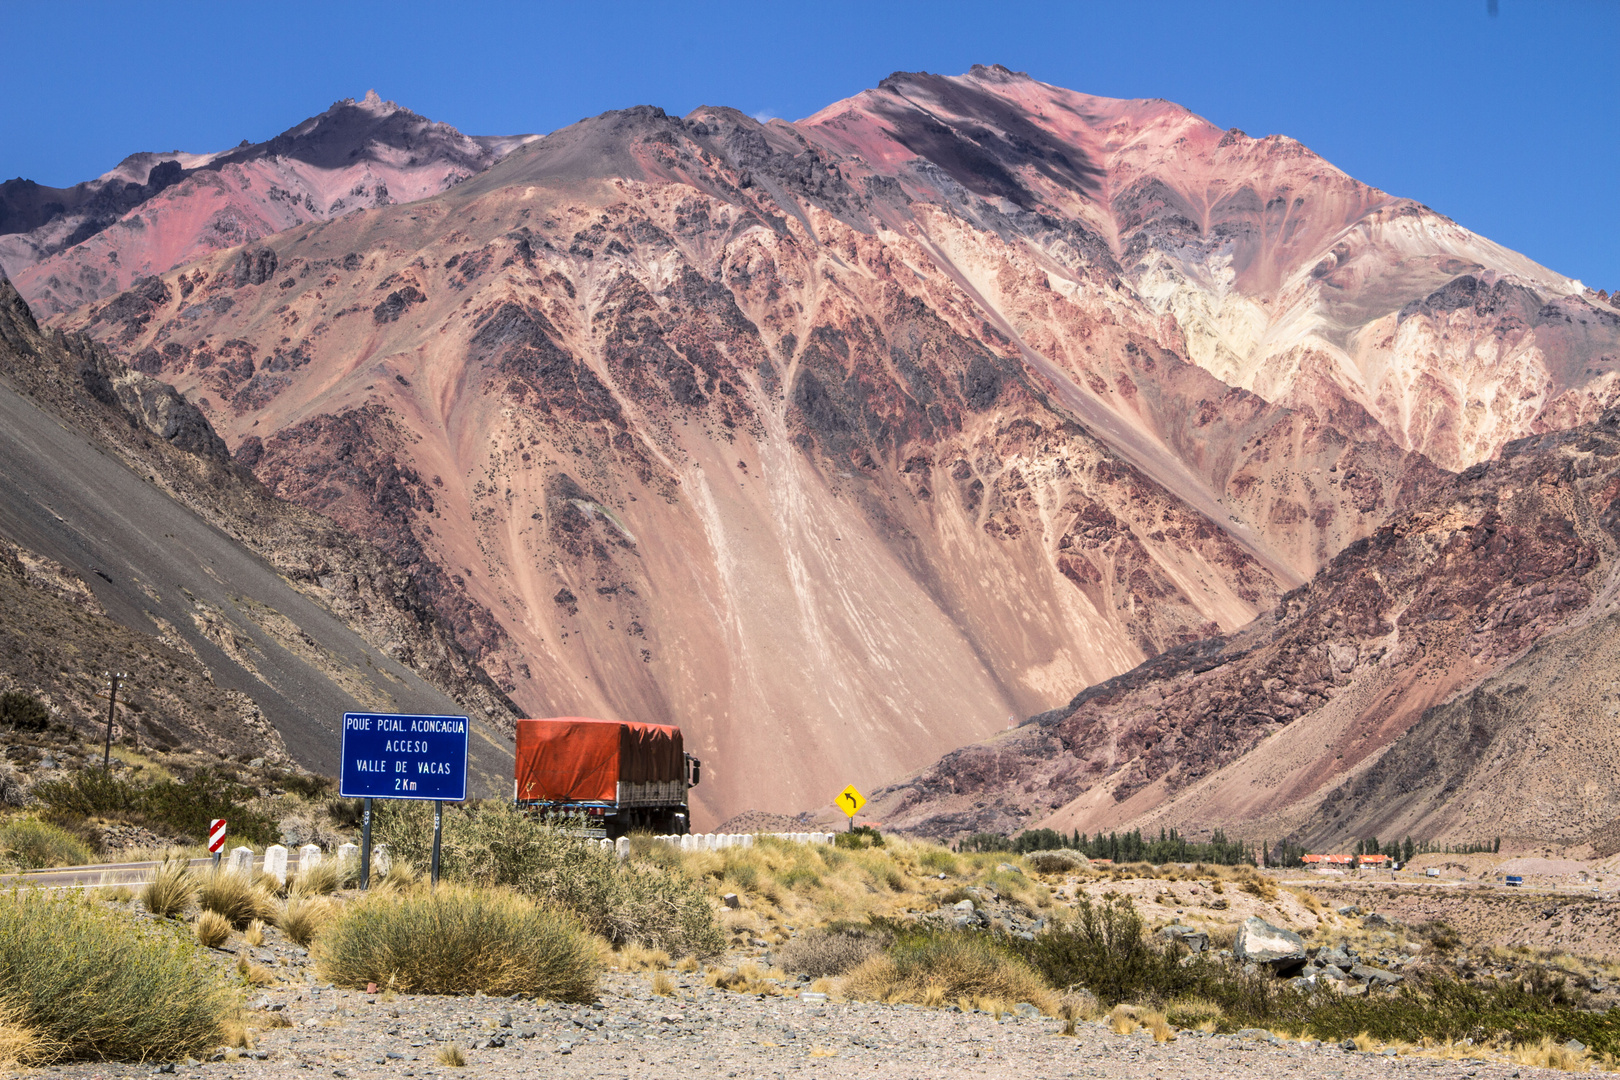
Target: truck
<point>606,777</point>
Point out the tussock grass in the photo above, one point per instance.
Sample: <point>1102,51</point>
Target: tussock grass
<point>254,974</point>
<point>1124,1019</point>
<point>92,984</point>
<point>1547,1054</point>
<point>212,929</point>
<point>18,1041</point>
<point>322,879</point>
<point>746,978</point>
<point>113,894</point>
<point>254,934</point>
<point>459,940</point>
<point>33,844</point>
<point>303,917</point>
<point>635,957</point>
<point>663,985</point>
<point>171,889</point>
<point>239,898</point>
<point>948,966</point>
<point>450,1055</point>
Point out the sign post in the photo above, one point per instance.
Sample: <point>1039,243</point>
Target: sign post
<point>216,838</point>
<point>850,801</point>
<point>438,831</point>
<point>397,756</point>
<point>365,845</point>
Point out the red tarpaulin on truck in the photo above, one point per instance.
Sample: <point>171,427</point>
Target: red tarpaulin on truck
<point>572,759</point>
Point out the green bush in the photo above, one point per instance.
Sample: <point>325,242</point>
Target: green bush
<point>495,845</point>
<point>33,844</point>
<point>184,807</point>
<point>1103,948</point>
<point>90,793</point>
<point>936,967</point>
<point>95,985</point>
<point>457,940</point>
<point>861,836</point>
<point>24,712</point>
<point>1441,1007</point>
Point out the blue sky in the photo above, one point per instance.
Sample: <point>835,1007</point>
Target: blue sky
<point>1508,122</point>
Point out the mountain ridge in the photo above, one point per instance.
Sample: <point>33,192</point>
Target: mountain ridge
<point>836,451</point>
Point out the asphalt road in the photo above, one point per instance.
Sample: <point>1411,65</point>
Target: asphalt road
<point>129,873</point>
<point>65,498</point>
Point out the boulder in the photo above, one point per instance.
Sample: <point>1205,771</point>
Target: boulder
<point>1259,942</point>
<point>1195,940</point>
<point>1374,976</point>
<point>1338,957</point>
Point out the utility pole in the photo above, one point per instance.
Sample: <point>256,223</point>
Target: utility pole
<point>112,707</point>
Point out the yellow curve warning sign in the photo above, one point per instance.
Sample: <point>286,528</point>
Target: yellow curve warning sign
<point>850,801</point>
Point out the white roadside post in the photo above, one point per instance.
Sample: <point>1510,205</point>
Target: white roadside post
<point>242,860</point>
<point>275,863</point>
<point>348,858</point>
<point>309,856</point>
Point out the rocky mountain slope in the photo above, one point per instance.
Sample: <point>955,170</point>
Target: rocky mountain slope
<point>838,442</point>
<point>1447,676</point>
<point>133,543</point>
<point>64,247</point>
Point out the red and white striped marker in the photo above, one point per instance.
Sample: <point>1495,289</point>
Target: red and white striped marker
<point>216,835</point>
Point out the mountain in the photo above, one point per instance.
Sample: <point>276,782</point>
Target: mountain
<point>129,541</point>
<point>842,443</point>
<point>1458,654</point>
<point>66,246</point>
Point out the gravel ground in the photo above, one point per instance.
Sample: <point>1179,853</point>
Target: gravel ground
<point>631,1033</point>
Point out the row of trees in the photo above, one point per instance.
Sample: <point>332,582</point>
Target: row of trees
<point>1171,847</point>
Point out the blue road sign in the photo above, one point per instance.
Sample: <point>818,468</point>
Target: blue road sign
<point>392,756</point>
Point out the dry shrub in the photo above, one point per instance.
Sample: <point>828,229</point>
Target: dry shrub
<point>304,916</point>
<point>1058,861</point>
<point>322,879</point>
<point>833,951</point>
<point>170,890</point>
<point>1257,884</point>
<point>957,965</point>
<point>212,929</point>
<point>19,1043</point>
<point>663,985</point>
<point>237,897</point>
<point>93,984</point>
<point>634,957</point>
<point>457,941</point>
<point>495,845</point>
<point>450,1054</point>
<point>688,964</point>
<point>745,978</point>
<point>254,935</point>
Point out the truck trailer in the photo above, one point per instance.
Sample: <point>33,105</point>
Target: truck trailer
<point>609,776</point>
